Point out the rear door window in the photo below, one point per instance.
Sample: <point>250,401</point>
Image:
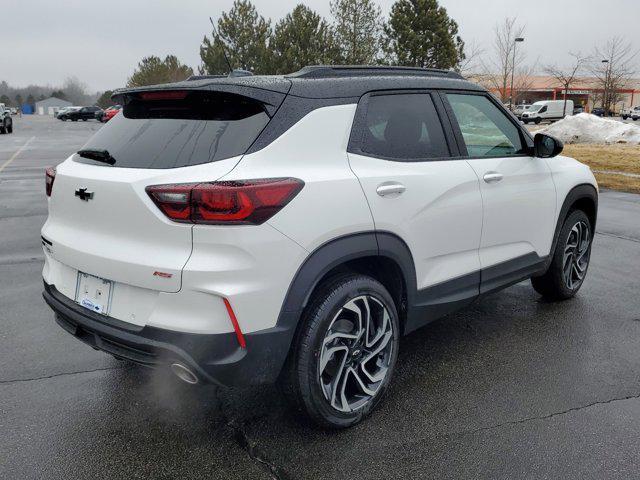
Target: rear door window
<point>403,127</point>
<point>197,128</point>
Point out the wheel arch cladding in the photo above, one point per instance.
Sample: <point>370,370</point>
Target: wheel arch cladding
<point>381,255</point>
<point>581,197</point>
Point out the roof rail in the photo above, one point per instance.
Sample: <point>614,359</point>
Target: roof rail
<point>333,71</point>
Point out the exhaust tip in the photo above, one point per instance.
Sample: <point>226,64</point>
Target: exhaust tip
<point>184,374</point>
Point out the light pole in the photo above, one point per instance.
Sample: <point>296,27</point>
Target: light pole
<point>605,90</point>
<point>513,70</point>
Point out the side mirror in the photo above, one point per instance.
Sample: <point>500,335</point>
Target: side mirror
<point>546,146</point>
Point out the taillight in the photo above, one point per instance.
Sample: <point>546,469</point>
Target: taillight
<point>50,176</point>
<point>237,202</point>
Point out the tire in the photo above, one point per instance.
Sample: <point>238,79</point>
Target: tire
<point>575,239</point>
<point>3,130</point>
<point>624,117</point>
<point>328,325</point>
<point>526,122</point>
<point>74,119</point>
<point>538,120</point>
<point>9,129</point>
<point>84,119</point>
<point>63,118</point>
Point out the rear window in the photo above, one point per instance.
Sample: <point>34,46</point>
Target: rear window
<point>403,127</point>
<point>190,128</point>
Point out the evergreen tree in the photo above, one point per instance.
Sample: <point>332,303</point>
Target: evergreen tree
<point>243,35</point>
<point>357,26</point>
<point>59,94</point>
<point>18,100</point>
<point>420,33</point>
<point>31,101</point>
<point>153,70</point>
<point>302,38</point>
<point>4,99</point>
<point>104,100</point>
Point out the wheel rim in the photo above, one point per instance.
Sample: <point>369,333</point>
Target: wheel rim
<point>576,255</point>
<point>356,354</point>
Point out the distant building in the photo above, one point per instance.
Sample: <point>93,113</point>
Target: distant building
<point>49,106</point>
<point>584,91</point>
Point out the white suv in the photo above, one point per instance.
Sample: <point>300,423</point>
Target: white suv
<point>254,229</point>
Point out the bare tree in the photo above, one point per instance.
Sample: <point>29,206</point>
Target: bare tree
<point>611,65</point>
<point>503,64</point>
<point>470,65</point>
<point>76,91</point>
<point>523,82</point>
<point>566,77</point>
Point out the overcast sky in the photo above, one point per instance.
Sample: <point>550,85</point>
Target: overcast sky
<point>45,41</point>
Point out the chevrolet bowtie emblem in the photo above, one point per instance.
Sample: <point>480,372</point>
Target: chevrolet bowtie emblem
<point>82,194</point>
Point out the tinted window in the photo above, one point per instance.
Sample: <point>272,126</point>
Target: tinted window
<point>201,128</point>
<point>487,131</point>
<point>404,127</point>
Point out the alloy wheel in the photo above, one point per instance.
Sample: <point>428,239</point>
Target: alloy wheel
<point>356,353</point>
<point>576,255</point>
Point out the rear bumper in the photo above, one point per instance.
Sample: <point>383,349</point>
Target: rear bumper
<point>214,358</point>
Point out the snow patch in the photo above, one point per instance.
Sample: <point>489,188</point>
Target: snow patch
<point>588,128</point>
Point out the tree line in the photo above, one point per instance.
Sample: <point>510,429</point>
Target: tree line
<point>418,33</point>
<point>72,90</point>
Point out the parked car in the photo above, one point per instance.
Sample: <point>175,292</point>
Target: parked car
<point>599,111</point>
<point>62,111</point>
<point>578,109</point>
<point>13,110</point>
<point>82,113</point>
<point>631,112</point>
<point>259,229</point>
<point>547,110</point>
<point>518,110</point>
<point>108,114</point>
<point>6,122</point>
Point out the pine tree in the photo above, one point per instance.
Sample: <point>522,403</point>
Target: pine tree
<point>420,33</point>
<point>357,26</point>
<point>243,35</point>
<point>104,100</point>
<point>302,38</point>
<point>152,70</point>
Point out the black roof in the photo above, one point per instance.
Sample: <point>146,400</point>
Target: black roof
<point>324,81</point>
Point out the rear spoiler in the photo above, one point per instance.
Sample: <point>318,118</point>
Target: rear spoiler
<point>270,98</point>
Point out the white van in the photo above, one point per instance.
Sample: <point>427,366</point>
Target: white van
<point>547,110</point>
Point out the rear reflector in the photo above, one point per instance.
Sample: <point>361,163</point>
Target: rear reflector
<point>236,325</point>
<point>238,202</point>
<point>50,176</point>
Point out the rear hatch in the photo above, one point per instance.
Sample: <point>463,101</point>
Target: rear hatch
<point>102,221</point>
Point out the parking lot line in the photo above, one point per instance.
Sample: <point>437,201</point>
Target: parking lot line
<point>15,155</point>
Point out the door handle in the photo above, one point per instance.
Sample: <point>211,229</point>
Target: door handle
<point>390,189</point>
<point>492,177</point>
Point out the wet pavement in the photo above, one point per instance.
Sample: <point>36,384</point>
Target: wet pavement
<point>512,387</point>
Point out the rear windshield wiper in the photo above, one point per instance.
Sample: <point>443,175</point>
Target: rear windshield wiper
<point>98,155</point>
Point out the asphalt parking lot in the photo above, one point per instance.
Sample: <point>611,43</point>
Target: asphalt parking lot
<point>511,387</point>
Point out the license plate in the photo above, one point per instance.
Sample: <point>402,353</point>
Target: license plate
<point>94,293</point>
